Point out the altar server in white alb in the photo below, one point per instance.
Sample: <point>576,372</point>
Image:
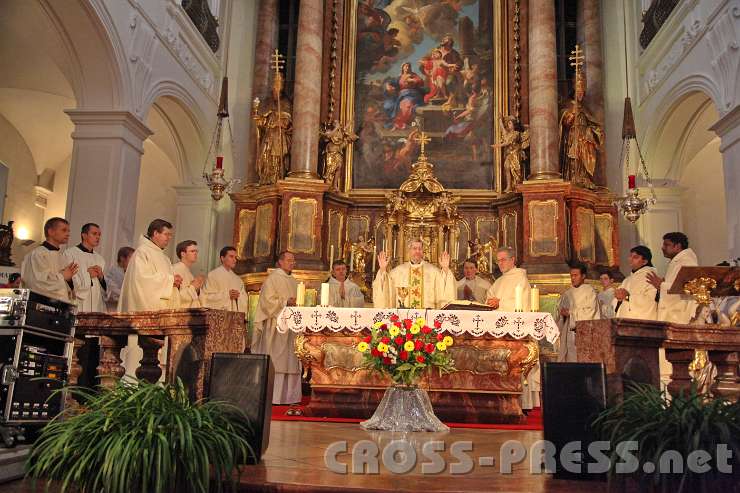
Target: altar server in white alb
<point>150,282</point>
<point>224,290</point>
<point>606,296</point>
<point>577,303</point>
<point>89,282</point>
<point>44,269</point>
<point>422,285</point>
<point>189,291</point>
<point>343,292</point>
<point>676,308</point>
<point>278,291</point>
<point>472,287</point>
<point>502,294</point>
<point>114,277</point>
<point>635,297</point>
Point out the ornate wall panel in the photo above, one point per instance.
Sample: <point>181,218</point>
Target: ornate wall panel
<point>510,232</point>
<point>357,226</point>
<point>585,230</point>
<point>462,240</point>
<point>336,222</point>
<point>263,231</point>
<point>487,227</point>
<point>604,244</point>
<point>302,214</point>
<point>543,220</point>
<point>245,246</point>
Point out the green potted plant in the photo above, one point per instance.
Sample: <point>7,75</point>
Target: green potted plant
<point>141,437</point>
<point>658,424</point>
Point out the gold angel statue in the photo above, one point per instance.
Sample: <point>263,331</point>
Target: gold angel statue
<point>337,137</point>
<point>514,141</point>
<point>358,253</point>
<point>273,128</point>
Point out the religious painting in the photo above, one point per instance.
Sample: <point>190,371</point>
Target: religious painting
<point>585,219</point>
<point>245,245</point>
<point>543,220</point>
<point>302,215</point>
<point>423,65</point>
<point>263,231</point>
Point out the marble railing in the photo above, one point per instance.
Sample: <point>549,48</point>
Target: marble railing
<point>191,336</point>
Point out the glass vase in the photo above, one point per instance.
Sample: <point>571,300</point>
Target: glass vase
<point>404,408</point>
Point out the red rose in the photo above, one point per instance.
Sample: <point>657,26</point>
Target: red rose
<point>394,318</point>
<point>437,324</point>
<point>418,345</point>
<point>407,323</point>
<point>398,340</point>
<point>440,337</point>
<point>386,361</point>
<point>385,340</point>
<point>409,336</point>
<point>397,324</point>
<point>426,329</point>
<point>403,355</point>
<point>429,348</point>
<point>384,327</point>
<point>420,359</point>
<point>368,339</point>
<point>375,353</point>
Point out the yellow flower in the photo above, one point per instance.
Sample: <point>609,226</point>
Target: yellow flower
<point>441,346</point>
<point>420,322</point>
<point>414,329</point>
<point>382,347</point>
<point>447,340</point>
<point>362,347</point>
<point>394,331</point>
<point>408,346</point>
<point>377,325</point>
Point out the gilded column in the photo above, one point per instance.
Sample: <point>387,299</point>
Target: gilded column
<point>543,91</point>
<point>589,37</point>
<point>307,91</point>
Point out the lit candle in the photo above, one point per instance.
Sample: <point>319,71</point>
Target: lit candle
<point>394,247</point>
<point>468,255</point>
<point>535,301</point>
<point>219,162</point>
<point>300,297</point>
<point>325,294</point>
<point>518,298</point>
<point>631,179</point>
<point>375,258</point>
<point>331,257</point>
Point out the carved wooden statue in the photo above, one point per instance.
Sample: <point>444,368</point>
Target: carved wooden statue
<point>515,142</point>
<point>337,138</point>
<point>274,129</point>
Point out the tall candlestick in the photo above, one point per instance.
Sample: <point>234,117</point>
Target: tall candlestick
<point>325,294</point>
<point>331,257</point>
<point>394,247</point>
<point>518,298</point>
<point>300,297</point>
<point>535,299</point>
<point>375,258</point>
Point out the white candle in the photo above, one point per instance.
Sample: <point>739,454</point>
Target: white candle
<point>535,301</point>
<point>331,257</point>
<point>490,260</point>
<point>300,297</point>
<point>518,298</point>
<point>468,255</point>
<point>375,258</point>
<point>325,294</point>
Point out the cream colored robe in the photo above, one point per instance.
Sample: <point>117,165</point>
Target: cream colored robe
<point>149,280</point>
<point>677,308</point>
<point>276,290</point>
<point>41,271</point>
<point>478,286</point>
<point>88,292</point>
<point>353,297</point>
<point>188,294</point>
<point>504,288</point>
<point>215,291</point>
<point>439,287</point>
<point>583,305</point>
<point>641,303</point>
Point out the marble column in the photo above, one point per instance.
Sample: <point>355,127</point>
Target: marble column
<point>307,91</point>
<point>104,175</point>
<point>589,37</point>
<point>728,130</point>
<point>543,92</point>
<point>265,44</point>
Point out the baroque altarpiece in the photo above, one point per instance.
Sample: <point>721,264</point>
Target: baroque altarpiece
<point>438,88</point>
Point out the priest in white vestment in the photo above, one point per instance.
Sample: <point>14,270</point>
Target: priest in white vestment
<point>224,290</point>
<point>635,297</point>
<point>189,291</point>
<point>278,291</point>
<point>44,269</point>
<point>472,287</point>
<point>343,292</point>
<point>89,282</point>
<point>606,296</point>
<point>414,284</point>
<point>577,303</point>
<point>676,308</point>
<point>114,277</point>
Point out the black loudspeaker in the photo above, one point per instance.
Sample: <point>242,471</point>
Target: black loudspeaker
<point>246,380</point>
<point>573,394</point>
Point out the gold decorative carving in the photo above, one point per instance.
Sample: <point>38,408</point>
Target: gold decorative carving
<point>533,356</point>
<point>263,231</point>
<point>586,248</point>
<point>336,221</point>
<point>603,236</point>
<point>333,60</point>
<point>303,354</point>
<point>302,214</point>
<point>514,140</point>
<point>517,61</point>
<point>510,230</point>
<point>701,289</point>
<point>341,356</point>
<point>702,371</point>
<point>245,246</point>
<point>481,362</point>
<point>543,228</point>
<point>337,137</point>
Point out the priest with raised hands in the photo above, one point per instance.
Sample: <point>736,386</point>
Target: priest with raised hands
<point>579,302</point>
<point>676,308</point>
<point>503,293</point>
<point>343,292</point>
<point>189,290</point>
<point>414,284</point>
<point>472,287</point>
<point>278,291</point>
<point>45,270</point>
<point>89,281</point>
<point>224,290</point>
<point>635,297</point>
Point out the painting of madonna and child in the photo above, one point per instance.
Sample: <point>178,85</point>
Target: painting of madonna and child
<point>423,65</point>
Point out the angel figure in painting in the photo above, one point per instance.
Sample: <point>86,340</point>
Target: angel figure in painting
<point>274,128</point>
<point>515,142</point>
<point>337,137</point>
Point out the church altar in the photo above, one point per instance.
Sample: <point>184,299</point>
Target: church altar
<point>493,351</point>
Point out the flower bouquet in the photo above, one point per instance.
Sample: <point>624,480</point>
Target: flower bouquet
<point>404,350</point>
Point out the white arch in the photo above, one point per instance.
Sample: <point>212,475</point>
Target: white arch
<point>179,93</point>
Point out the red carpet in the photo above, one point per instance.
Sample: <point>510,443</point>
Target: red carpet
<point>534,419</point>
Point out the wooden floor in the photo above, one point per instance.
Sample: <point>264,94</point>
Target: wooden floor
<point>295,462</point>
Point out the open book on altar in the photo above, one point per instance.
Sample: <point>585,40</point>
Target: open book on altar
<point>466,305</point>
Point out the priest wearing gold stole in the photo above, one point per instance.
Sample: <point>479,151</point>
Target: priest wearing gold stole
<point>676,308</point>
<point>189,291</point>
<point>223,289</point>
<point>45,270</point>
<point>278,291</point>
<point>343,292</point>
<point>472,287</point>
<point>579,302</point>
<point>414,284</point>
<point>635,297</point>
